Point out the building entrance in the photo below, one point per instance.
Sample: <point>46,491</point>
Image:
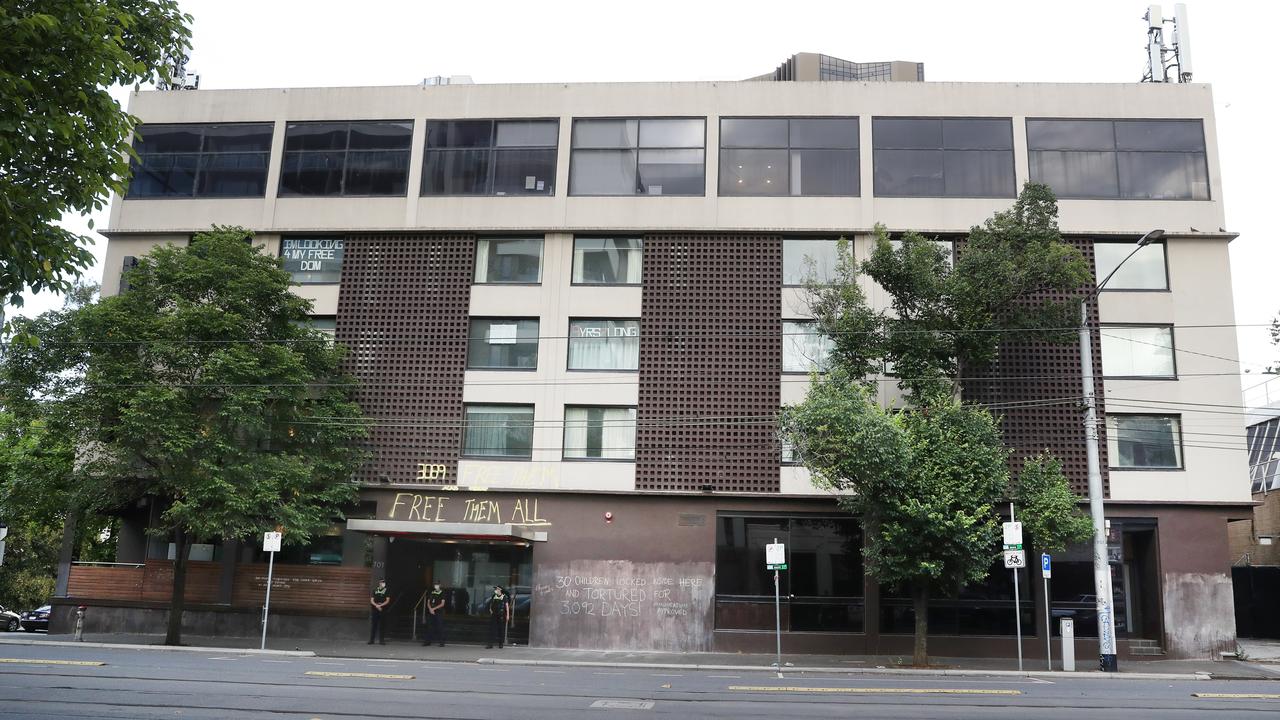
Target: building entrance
<point>466,571</point>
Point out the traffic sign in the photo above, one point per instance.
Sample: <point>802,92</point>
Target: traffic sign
<point>1015,559</point>
<point>775,554</point>
<point>271,541</point>
<point>1045,566</point>
<point>1013,534</point>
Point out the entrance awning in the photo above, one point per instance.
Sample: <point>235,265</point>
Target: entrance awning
<point>473,530</point>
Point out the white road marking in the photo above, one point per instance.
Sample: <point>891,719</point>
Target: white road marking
<point>553,672</point>
<point>278,661</point>
<point>725,676</point>
<point>608,673</point>
<point>665,675</point>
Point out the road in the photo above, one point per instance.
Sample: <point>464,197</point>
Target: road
<point>197,685</point>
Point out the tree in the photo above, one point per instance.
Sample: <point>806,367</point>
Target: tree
<point>203,388</point>
<point>64,141</point>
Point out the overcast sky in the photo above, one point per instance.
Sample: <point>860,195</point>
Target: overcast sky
<point>289,43</point>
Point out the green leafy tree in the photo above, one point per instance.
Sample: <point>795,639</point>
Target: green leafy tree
<point>1050,512</point>
<point>203,388</point>
<point>63,139</point>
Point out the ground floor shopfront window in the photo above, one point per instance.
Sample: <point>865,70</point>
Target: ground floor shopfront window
<point>983,608</point>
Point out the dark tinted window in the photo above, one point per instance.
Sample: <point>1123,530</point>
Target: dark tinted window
<point>312,260</point>
<point>490,157</point>
<point>638,156</point>
<point>789,156</point>
<point>943,157</point>
<point>504,431</point>
<point>503,344</point>
<point>1127,159</point>
<point>228,160</point>
<point>348,158</point>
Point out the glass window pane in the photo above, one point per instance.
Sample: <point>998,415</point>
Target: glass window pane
<point>753,172</point>
<point>825,558</point>
<point>619,133</point>
<point>1144,441</point>
<point>524,172</point>
<point>602,172</point>
<point>499,431</point>
<point>604,345</point>
<point>455,172</point>
<point>802,258</point>
<point>804,349</point>
<point>824,133</point>
<point>740,542</point>
<point>459,133</point>
<point>1144,271</point>
<point>602,433</point>
<point>671,172</point>
<point>1171,135</point>
<point>508,344</point>
<point>672,133</point>
<point>753,133</point>
<point>977,134</point>
<point>232,175</point>
<point>168,138</point>
<point>607,261</point>
<point>1137,351</point>
<point>240,137</point>
<point>824,172</point>
<point>908,173</point>
<point>978,173</point>
<point>509,261</point>
<point>527,133</point>
<point>377,172</point>
<point>1070,135</point>
<point>906,133</point>
<point>163,175</point>
<point>1163,176</point>
<point>315,136</point>
<point>1076,174</point>
<point>312,260</point>
<point>381,135</point>
<point>311,173</point>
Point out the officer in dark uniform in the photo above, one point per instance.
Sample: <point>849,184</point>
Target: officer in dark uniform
<point>379,600</point>
<point>499,615</point>
<point>435,613</point>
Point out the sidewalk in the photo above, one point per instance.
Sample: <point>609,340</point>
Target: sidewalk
<point>519,655</point>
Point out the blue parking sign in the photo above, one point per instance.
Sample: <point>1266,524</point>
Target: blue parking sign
<point>1044,565</point>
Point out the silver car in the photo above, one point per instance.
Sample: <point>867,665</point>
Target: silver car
<point>10,621</point>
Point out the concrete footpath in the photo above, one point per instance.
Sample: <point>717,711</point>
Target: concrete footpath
<point>520,655</point>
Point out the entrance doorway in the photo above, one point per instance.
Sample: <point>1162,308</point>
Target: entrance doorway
<point>467,570</point>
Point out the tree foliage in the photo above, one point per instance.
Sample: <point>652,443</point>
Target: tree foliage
<point>202,388</point>
<point>1050,511</point>
<point>63,139</point>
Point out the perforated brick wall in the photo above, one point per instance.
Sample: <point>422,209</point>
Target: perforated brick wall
<point>402,313</point>
<point>710,356</point>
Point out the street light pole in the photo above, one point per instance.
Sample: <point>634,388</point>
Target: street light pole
<point>1101,566</point>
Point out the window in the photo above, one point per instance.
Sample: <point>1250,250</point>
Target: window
<point>1126,159</point>
<point>517,260</point>
<point>638,156</point>
<point>1146,270</point>
<point>346,158</point>
<point>503,344</point>
<point>607,261</point>
<point>490,157</point>
<point>804,349</point>
<point>312,261</point>
<point>789,156</point>
<point>1137,351</point>
<point>600,433</point>
<point>604,344</point>
<point>803,258</point>
<point>943,157</point>
<point>201,160</point>
<point>498,431</point>
<point>1144,441</point>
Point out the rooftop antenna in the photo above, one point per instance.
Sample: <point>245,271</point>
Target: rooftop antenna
<point>179,78</point>
<point>1170,63</point>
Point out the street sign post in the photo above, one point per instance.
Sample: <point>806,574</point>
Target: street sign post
<point>1045,571</point>
<point>1015,558</point>
<point>775,559</point>
<point>271,545</point>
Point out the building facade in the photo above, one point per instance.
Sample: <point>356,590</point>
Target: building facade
<point>575,310</point>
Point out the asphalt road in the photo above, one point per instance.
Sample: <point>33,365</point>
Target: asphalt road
<point>196,685</point>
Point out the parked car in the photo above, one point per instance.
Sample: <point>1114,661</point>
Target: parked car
<point>10,621</point>
<point>37,619</point>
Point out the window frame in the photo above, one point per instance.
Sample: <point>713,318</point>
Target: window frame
<point>637,148</point>
<point>346,153</point>
<point>1167,279</point>
<point>472,320</point>
<point>573,264</point>
<point>466,425</point>
<point>542,256</point>
<point>569,340</point>
<point>492,149</point>
<point>1013,151</point>
<point>1173,352</point>
<point>789,239</point>
<point>786,336</point>
<point>564,444</point>
<point>856,150</point>
<point>310,236</point>
<point>1182,456</point>
<point>200,154</point>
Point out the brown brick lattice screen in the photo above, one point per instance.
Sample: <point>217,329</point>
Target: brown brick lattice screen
<point>710,349</point>
<point>1026,378</point>
<point>402,313</point>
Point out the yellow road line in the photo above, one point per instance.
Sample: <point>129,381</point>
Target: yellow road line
<point>376,676</point>
<point>1246,696</point>
<point>876,691</point>
<point>37,661</point>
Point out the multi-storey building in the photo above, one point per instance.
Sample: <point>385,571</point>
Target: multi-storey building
<point>575,310</point>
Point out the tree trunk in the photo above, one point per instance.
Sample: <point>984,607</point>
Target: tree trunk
<point>173,636</point>
<point>920,603</point>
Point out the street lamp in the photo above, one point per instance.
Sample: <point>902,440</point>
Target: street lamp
<point>1101,567</point>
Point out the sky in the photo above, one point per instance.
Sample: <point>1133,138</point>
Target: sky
<point>299,43</point>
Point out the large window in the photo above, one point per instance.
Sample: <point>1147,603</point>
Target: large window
<point>1144,441</point>
<point>1146,270</point>
<point>607,261</point>
<point>1137,351</point>
<point>509,260</point>
<point>802,259</point>
<point>600,433</point>
<point>638,156</point>
<point>201,160</point>
<point>604,344</point>
<point>503,344</point>
<point>789,156</point>
<point>312,260</point>
<point>804,349</point>
<point>498,431</point>
<point>1127,159</point>
<point>490,157</point>
<point>943,157</point>
<point>346,158</point>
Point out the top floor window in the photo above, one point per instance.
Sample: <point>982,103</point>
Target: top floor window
<point>638,156</point>
<point>789,156</point>
<point>1146,270</point>
<point>346,158</point>
<point>1125,159</point>
<point>490,157</point>
<point>223,160</point>
<point>943,157</point>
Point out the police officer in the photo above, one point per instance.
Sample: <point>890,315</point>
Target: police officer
<point>435,613</point>
<point>379,600</point>
<point>499,615</point>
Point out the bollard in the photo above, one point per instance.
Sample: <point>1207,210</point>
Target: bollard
<point>1068,644</point>
<point>80,623</point>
